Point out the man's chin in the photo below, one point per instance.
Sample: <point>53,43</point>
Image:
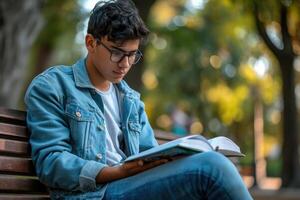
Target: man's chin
<point>117,80</point>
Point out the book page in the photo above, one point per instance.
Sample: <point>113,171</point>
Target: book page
<point>156,150</point>
<point>197,143</point>
<point>225,146</point>
<point>166,148</point>
<point>186,146</point>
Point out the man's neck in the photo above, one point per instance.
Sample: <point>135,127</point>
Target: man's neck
<point>96,78</point>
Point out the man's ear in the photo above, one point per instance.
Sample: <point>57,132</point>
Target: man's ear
<point>90,43</point>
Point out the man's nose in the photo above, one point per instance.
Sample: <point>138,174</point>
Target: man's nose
<point>124,63</point>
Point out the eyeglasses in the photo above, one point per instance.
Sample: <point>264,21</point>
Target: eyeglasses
<point>117,56</point>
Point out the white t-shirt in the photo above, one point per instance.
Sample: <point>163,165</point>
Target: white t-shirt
<point>114,135</point>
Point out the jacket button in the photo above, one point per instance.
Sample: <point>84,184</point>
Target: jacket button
<point>78,114</point>
<point>99,156</point>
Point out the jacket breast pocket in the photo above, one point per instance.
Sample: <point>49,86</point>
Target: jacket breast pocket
<point>134,129</point>
<point>79,120</point>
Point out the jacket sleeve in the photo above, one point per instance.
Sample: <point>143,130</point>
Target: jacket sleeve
<point>50,139</point>
<point>147,138</point>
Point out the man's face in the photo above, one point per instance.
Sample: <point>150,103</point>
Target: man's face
<point>111,60</point>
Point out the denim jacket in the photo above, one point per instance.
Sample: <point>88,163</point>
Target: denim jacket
<point>65,118</point>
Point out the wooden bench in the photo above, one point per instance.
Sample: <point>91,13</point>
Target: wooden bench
<point>17,174</point>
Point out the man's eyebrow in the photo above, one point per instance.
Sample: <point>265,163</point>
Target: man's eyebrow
<point>120,49</point>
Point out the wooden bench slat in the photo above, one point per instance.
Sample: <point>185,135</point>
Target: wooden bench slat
<point>13,130</point>
<point>18,184</point>
<point>12,114</point>
<point>161,141</point>
<point>24,197</point>
<point>13,147</point>
<point>16,165</point>
<point>162,135</point>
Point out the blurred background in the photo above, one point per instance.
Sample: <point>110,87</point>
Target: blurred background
<point>210,67</point>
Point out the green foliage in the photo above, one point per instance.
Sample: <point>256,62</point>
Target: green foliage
<point>56,42</point>
<point>61,18</point>
<point>274,167</point>
<point>203,62</point>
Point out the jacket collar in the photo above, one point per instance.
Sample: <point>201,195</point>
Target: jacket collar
<point>124,88</point>
<point>81,76</point>
<point>82,80</point>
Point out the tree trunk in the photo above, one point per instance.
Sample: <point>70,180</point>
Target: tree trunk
<point>290,165</point>
<point>134,77</point>
<point>290,168</point>
<point>42,59</point>
<point>20,22</point>
<point>260,162</point>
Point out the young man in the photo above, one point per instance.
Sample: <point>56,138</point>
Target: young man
<point>84,120</point>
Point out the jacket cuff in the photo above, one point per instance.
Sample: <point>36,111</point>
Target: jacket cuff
<point>87,177</point>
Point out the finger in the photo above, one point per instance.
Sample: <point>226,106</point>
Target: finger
<point>140,166</point>
<point>155,163</point>
<point>133,164</point>
<point>140,163</point>
<point>138,169</point>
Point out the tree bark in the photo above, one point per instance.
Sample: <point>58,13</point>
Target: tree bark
<point>260,162</point>
<point>20,22</point>
<point>290,165</point>
<point>134,77</point>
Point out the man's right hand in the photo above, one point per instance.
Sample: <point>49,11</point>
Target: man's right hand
<point>108,174</point>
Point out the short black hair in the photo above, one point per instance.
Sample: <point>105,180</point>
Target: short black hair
<point>119,20</point>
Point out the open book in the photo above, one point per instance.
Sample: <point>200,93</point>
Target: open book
<point>187,146</point>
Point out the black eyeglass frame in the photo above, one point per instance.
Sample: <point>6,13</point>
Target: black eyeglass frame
<point>137,55</point>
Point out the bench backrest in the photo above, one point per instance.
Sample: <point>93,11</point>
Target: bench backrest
<point>17,174</point>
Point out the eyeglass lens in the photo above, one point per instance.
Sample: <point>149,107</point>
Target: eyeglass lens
<point>133,58</point>
<point>118,56</point>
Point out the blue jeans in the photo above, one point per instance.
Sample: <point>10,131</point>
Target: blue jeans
<point>201,176</point>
